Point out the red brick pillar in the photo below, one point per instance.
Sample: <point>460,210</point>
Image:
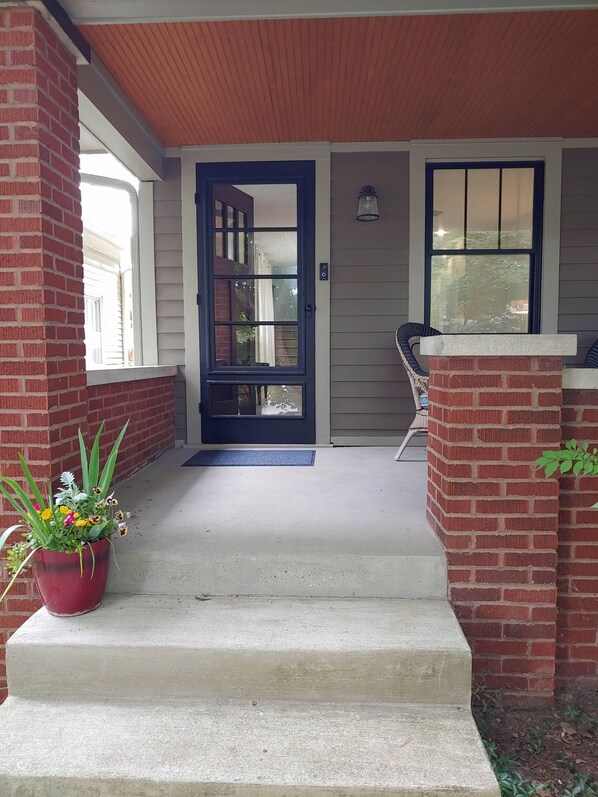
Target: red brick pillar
<point>495,404</point>
<point>577,570</point>
<point>42,356</point>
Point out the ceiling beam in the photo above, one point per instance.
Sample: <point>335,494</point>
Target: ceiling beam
<point>91,12</point>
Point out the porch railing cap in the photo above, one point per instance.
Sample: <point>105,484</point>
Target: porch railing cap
<point>580,378</point>
<point>499,345</point>
<point>116,374</point>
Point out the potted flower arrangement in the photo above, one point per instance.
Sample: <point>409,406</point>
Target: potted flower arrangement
<point>66,537</point>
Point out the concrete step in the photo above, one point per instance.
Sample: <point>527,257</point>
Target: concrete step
<point>304,574</point>
<point>211,748</point>
<point>148,646</point>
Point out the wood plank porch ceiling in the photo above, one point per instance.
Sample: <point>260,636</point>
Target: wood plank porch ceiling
<point>360,79</point>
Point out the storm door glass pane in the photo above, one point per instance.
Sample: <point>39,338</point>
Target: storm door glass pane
<point>218,220</point>
<point>517,208</point>
<point>274,205</point>
<point>248,345</point>
<point>448,215</point>
<point>266,253</point>
<point>482,208</point>
<point>261,400</point>
<point>480,293</point>
<point>262,300</point>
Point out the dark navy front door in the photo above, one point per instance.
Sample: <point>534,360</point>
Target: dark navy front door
<point>256,301</point>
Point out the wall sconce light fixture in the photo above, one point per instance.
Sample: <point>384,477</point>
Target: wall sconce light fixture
<point>367,205</point>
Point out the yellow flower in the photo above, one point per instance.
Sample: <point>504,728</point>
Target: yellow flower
<point>76,515</point>
<point>47,514</point>
<point>64,510</point>
<point>81,523</point>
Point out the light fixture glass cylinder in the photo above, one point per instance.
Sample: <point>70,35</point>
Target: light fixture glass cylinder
<point>367,205</point>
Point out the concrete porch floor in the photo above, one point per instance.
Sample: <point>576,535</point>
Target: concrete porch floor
<point>352,525</point>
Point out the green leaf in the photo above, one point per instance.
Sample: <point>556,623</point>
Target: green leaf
<point>552,468</point>
<point>566,455</point>
<point>84,464</point>
<point>25,508</point>
<point>566,465</point>
<point>94,459</point>
<point>16,574</point>
<point>578,467</point>
<point>108,471</point>
<point>550,454</point>
<point>4,537</point>
<point>571,444</point>
<point>588,467</point>
<point>31,482</point>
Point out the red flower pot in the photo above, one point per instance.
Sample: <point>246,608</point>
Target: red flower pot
<point>62,587</point>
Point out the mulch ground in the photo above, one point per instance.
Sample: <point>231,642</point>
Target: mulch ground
<point>556,745</point>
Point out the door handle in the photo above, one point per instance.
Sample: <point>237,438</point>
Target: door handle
<point>309,308</point>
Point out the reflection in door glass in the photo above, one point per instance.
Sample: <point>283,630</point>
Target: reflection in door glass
<point>262,400</point>
<point>262,253</point>
<point>256,345</point>
<point>255,299</point>
<point>274,204</point>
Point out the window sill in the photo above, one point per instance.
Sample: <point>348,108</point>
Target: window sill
<point>111,376</point>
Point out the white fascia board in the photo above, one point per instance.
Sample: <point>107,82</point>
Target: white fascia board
<point>91,12</point>
<point>109,115</point>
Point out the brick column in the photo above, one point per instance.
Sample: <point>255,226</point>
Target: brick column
<point>42,357</point>
<point>577,571</point>
<point>495,404</point>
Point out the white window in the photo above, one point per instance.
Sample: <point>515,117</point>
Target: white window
<point>93,332</point>
<point>103,281</point>
<point>111,260</point>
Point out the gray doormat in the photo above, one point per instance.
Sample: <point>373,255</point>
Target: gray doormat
<point>237,458</point>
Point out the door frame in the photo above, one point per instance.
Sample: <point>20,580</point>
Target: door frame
<point>250,429</point>
<point>191,156</point>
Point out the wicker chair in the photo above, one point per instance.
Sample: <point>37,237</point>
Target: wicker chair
<point>591,360</point>
<point>407,336</point>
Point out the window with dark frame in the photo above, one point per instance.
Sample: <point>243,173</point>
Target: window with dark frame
<point>483,246</point>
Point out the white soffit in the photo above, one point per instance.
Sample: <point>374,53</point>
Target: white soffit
<point>102,12</point>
